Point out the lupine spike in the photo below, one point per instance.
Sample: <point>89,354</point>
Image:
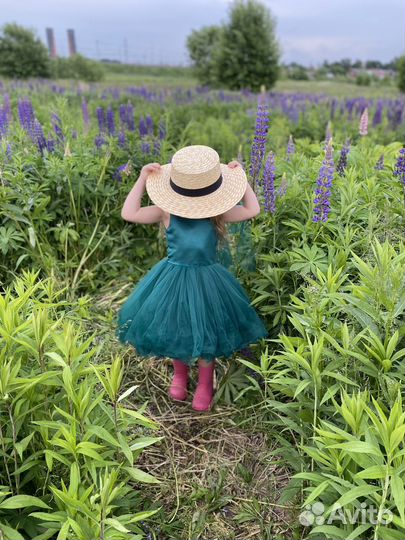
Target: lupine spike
<point>363,125</point>
<point>399,169</point>
<point>269,183</point>
<point>259,141</point>
<point>379,166</point>
<point>324,183</point>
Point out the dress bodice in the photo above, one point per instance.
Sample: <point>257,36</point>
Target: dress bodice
<point>191,241</point>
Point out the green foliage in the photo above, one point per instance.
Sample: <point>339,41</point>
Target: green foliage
<point>77,67</point>
<point>69,444</point>
<point>401,73</point>
<point>363,79</point>
<point>203,46</point>
<point>243,53</point>
<point>22,54</point>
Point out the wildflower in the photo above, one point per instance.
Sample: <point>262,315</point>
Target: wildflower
<point>283,186</point>
<point>56,122</point>
<point>379,166</point>
<point>342,163</point>
<point>99,140</point>
<point>145,147</point>
<point>143,128</point>
<point>377,118</point>
<point>50,144</point>
<point>85,115</point>
<point>399,169</point>
<point>259,140</point>
<point>37,135</point>
<point>156,146</point>
<point>67,152</point>
<point>162,130</point>
<point>125,169</point>
<point>290,148</point>
<point>101,118</point>
<point>268,183</point>
<point>324,182</point>
<point>363,125</point>
<point>121,139</point>
<point>149,124</point>
<point>3,122</point>
<point>110,121</point>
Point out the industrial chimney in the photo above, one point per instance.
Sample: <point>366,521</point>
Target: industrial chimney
<point>71,41</point>
<point>50,38</point>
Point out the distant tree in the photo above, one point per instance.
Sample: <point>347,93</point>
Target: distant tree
<point>22,54</point>
<point>357,64</point>
<point>374,64</point>
<point>297,72</point>
<point>401,73</point>
<point>203,47</point>
<point>249,54</point>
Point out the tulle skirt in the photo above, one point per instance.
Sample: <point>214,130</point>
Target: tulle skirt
<point>188,312</point>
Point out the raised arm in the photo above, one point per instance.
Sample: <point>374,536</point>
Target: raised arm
<point>250,208</point>
<point>132,211</point>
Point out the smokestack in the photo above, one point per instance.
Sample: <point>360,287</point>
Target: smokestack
<point>71,41</point>
<point>50,38</point>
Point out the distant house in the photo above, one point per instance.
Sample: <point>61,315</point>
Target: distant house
<point>373,72</point>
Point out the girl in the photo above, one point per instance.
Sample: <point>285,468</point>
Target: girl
<point>189,307</point>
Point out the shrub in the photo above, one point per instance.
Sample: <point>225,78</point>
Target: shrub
<point>77,67</point>
<point>22,54</point>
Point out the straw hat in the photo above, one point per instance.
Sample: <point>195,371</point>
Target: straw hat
<point>196,184</point>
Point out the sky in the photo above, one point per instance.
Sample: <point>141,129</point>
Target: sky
<point>155,31</point>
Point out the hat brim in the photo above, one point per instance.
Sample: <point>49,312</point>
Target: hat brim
<point>229,193</point>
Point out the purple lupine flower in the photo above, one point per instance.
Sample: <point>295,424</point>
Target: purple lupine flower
<point>283,186</point>
<point>143,129</point>
<point>162,130</point>
<point>121,139</point>
<point>56,123</point>
<point>290,148</point>
<point>363,125</point>
<point>324,182</point>
<point>9,153</point>
<point>26,113</point>
<point>101,118</point>
<point>145,147</point>
<point>377,118</point>
<point>7,107</point>
<point>130,117</point>
<point>258,147</point>
<point>125,169</point>
<point>268,183</point>
<point>38,136</point>
<point>110,121</point>
<point>399,169</point>
<point>149,124</point>
<point>156,146</point>
<point>85,114</point>
<point>122,113</point>
<point>50,144</point>
<point>99,140</point>
<point>342,163</point>
<point>3,122</point>
<point>379,166</point>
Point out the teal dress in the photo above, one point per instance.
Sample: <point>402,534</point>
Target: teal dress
<point>189,305</point>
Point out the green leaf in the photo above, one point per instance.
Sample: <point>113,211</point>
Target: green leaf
<point>9,533</point>
<point>352,495</point>
<point>22,501</point>
<point>357,446</point>
<point>141,476</point>
<point>142,442</point>
<point>398,493</point>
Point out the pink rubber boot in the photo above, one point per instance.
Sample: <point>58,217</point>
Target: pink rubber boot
<point>178,388</point>
<point>202,400</point>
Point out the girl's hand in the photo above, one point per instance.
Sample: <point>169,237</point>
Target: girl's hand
<point>233,164</point>
<point>149,168</point>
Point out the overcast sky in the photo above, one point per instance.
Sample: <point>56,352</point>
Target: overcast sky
<point>155,31</point>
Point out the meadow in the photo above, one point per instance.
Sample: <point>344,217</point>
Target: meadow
<point>306,439</point>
